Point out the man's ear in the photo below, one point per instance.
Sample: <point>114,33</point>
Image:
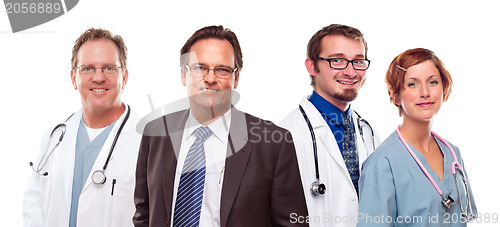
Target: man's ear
<point>73,79</point>
<point>236,79</point>
<point>183,76</point>
<point>310,67</point>
<point>125,79</point>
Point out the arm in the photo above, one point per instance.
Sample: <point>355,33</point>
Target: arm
<point>141,195</point>
<point>377,199</point>
<point>33,214</point>
<point>32,203</point>
<point>287,197</point>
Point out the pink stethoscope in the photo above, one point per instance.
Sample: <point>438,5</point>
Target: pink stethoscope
<point>446,201</point>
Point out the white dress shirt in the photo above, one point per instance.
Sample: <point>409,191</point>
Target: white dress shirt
<point>215,156</point>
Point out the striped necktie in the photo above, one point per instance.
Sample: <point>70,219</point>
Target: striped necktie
<point>349,152</point>
<point>190,192</point>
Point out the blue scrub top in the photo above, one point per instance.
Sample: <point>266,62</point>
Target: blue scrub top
<point>394,191</point>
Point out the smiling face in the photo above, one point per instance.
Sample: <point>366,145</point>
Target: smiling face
<point>99,92</point>
<point>210,92</point>
<point>422,94</point>
<point>338,86</point>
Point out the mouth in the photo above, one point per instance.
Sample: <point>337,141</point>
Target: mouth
<point>99,90</point>
<point>210,90</point>
<point>346,82</point>
<point>425,104</point>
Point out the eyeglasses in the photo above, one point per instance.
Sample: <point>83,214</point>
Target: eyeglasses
<point>221,72</point>
<point>342,63</point>
<point>89,70</point>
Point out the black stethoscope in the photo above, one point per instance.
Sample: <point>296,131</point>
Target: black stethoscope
<point>98,177</point>
<point>317,187</point>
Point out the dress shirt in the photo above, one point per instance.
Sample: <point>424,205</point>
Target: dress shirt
<point>332,115</point>
<point>215,155</point>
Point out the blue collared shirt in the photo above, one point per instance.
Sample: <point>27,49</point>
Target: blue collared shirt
<point>332,115</point>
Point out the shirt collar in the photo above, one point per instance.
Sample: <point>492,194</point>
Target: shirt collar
<point>219,127</point>
<point>328,109</point>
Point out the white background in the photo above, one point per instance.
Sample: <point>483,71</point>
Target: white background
<point>36,91</point>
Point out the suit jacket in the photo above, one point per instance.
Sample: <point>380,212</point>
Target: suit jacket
<point>262,185</point>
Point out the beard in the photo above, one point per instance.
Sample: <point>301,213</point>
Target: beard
<point>347,96</point>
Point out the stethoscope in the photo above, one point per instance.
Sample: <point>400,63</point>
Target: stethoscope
<point>317,187</point>
<point>447,201</point>
<point>98,177</point>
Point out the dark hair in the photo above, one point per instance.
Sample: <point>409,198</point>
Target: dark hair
<point>94,34</point>
<point>214,32</point>
<point>394,78</point>
<point>314,45</point>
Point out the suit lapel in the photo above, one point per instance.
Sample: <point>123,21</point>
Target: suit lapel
<point>173,131</point>
<point>236,162</point>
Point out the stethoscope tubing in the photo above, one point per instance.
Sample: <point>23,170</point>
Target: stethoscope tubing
<point>45,157</point>
<point>422,167</point>
<point>313,137</point>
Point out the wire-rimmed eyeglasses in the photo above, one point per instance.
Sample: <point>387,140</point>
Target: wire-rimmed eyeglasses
<point>342,63</point>
<point>222,72</point>
<point>108,70</point>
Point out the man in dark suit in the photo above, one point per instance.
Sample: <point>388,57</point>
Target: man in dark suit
<point>213,165</point>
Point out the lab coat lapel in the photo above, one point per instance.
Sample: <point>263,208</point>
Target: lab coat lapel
<point>67,151</point>
<point>326,140</point>
<point>324,135</point>
<point>104,152</point>
<point>235,163</point>
<point>360,144</point>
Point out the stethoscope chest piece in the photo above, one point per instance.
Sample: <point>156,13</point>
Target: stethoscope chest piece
<point>447,201</point>
<point>318,188</point>
<point>98,177</point>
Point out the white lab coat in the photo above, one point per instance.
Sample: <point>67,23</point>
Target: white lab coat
<point>339,205</point>
<point>47,200</point>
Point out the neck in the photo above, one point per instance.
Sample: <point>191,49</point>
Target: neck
<point>417,133</point>
<point>101,119</point>
<point>338,103</point>
<point>207,115</point>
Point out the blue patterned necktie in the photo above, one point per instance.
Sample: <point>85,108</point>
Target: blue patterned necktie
<point>349,152</point>
<point>190,192</point>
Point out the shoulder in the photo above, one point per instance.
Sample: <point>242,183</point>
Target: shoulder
<point>265,131</point>
<point>443,141</point>
<point>163,125</point>
<point>253,121</point>
<point>388,153</point>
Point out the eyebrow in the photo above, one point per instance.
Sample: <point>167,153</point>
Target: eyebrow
<point>342,55</point>
<point>430,77</point>
<point>219,65</point>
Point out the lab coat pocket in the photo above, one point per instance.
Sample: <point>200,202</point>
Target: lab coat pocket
<point>121,205</point>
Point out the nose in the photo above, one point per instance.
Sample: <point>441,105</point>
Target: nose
<point>424,91</point>
<point>210,78</point>
<point>98,76</point>
<point>349,71</point>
